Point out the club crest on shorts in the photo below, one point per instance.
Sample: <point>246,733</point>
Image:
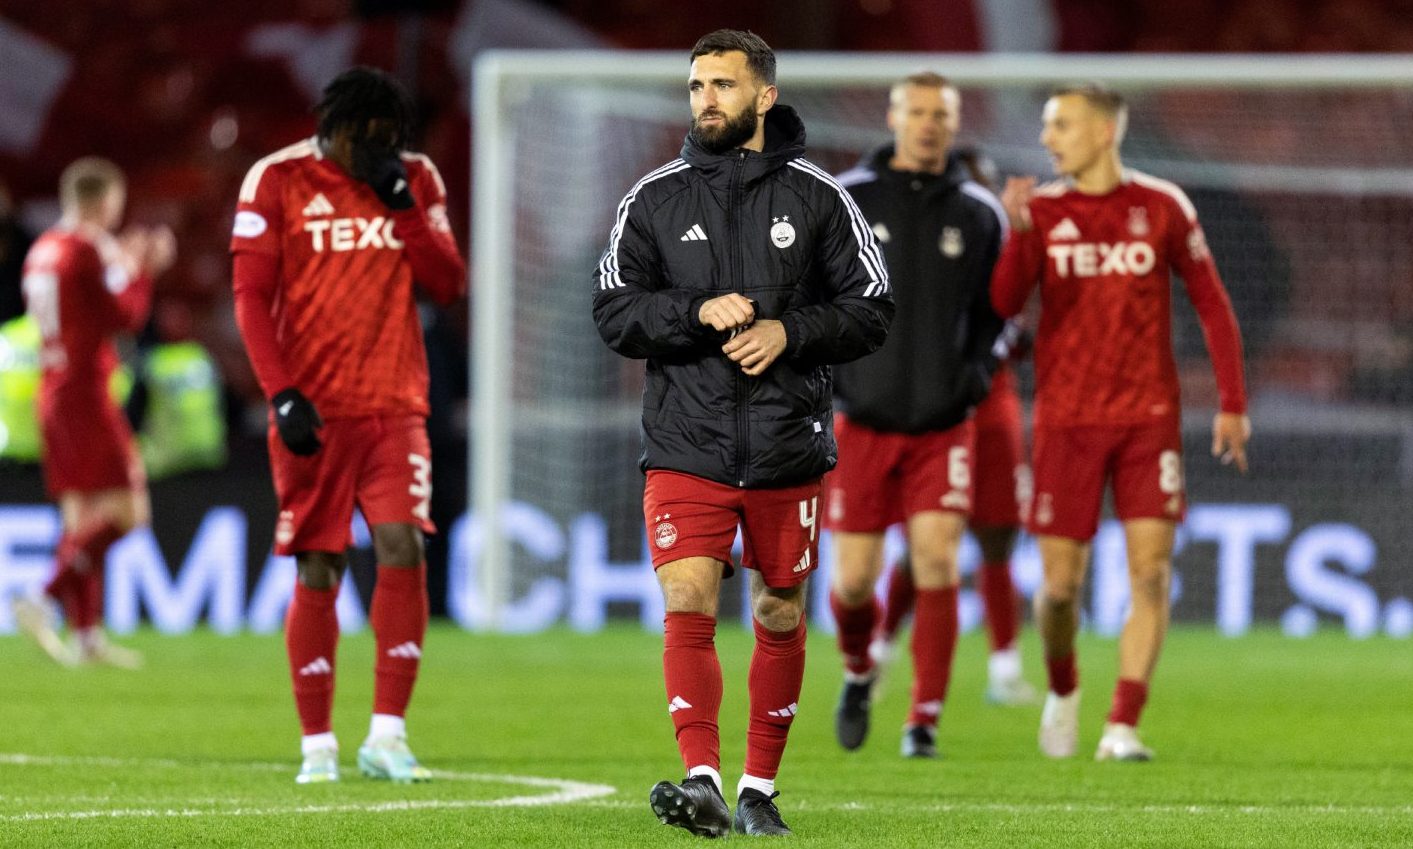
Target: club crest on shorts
<point>782,232</point>
<point>950,243</point>
<point>665,535</point>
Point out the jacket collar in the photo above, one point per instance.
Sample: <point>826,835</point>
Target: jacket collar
<point>951,177</point>
<point>784,141</point>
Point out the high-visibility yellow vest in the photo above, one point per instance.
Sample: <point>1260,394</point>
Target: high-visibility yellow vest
<point>19,389</point>
<point>184,425</point>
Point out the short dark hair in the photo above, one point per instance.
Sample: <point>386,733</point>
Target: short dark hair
<point>921,79</point>
<point>1097,94</point>
<point>362,94</point>
<point>87,180</point>
<point>759,57</point>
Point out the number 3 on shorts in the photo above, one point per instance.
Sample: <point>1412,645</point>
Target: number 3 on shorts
<point>421,488</point>
<point>1170,472</point>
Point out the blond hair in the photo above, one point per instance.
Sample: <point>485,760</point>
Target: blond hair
<point>86,181</point>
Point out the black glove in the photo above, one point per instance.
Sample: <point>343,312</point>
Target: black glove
<point>297,421</point>
<point>385,173</point>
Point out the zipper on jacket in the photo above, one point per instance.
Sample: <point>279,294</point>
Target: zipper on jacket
<point>743,389</point>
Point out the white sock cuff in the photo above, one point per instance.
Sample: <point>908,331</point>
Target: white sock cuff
<point>860,677</point>
<point>763,785</point>
<point>709,772</point>
<point>313,742</point>
<point>387,725</point>
<point>1004,664</point>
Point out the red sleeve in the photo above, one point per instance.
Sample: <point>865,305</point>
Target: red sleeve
<point>259,211</point>
<point>135,303</point>
<point>255,276</point>
<point>1017,271</point>
<point>427,241</point>
<point>125,301</point>
<point>1188,248</point>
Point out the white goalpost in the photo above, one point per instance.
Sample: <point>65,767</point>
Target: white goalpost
<point>1301,167</point>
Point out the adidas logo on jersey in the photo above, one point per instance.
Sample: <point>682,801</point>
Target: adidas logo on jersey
<point>696,234</point>
<point>787,711</point>
<point>1088,259</point>
<point>1064,231</point>
<point>318,206</point>
<point>678,703</point>
<point>318,666</point>
<point>408,650</point>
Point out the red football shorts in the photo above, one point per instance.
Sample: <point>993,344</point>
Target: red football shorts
<point>1072,465</point>
<point>90,450</point>
<point>1003,484</point>
<point>688,516</point>
<point>381,463</point>
<point>884,477</point>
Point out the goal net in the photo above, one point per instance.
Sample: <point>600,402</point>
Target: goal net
<point>1302,173</point>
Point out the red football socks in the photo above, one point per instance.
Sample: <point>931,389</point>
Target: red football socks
<point>399,617</point>
<point>998,596</point>
<point>693,676</point>
<point>934,644</point>
<point>311,639</point>
<point>78,573</point>
<point>899,602</point>
<point>1064,674</point>
<point>777,672</point>
<point>855,626</point>
<point>1129,697</point>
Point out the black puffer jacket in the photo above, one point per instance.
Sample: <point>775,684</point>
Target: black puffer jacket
<point>941,234</point>
<point>782,232</point>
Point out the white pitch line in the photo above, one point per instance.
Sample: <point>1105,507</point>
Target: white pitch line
<point>1071,807</point>
<point>565,791</point>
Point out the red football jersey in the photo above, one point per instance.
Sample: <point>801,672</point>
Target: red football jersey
<point>344,312</point>
<point>1103,351</point>
<point>80,292</point>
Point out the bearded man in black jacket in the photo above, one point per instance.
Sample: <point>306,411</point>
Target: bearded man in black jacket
<point>906,442</point>
<point>741,272</point>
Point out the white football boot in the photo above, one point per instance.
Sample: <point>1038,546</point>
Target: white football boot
<point>1120,743</point>
<point>1059,725</point>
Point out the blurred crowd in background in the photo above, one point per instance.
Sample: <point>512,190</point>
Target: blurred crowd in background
<point>186,95</point>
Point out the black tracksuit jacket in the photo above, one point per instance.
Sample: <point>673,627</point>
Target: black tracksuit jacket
<point>941,235</point>
<point>779,230</point>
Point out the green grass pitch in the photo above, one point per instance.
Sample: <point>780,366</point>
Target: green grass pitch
<point>554,740</point>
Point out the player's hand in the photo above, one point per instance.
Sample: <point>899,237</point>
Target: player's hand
<point>1230,431</point>
<point>1015,198</point>
<point>388,178</point>
<point>161,250</point>
<point>756,347</point>
<point>727,312</point>
<point>297,421</point>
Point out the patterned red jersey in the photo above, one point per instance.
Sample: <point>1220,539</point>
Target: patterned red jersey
<point>344,312</point>
<point>1103,351</point>
<point>80,292</point>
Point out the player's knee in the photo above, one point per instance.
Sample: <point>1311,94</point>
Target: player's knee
<point>1150,585</point>
<point>935,570</point>
<point>778,612</point>
<point>398,545</point>
<point>319,570</point>
<point>688,597</point>
<point>853,587</point>
<point>1060,592</point>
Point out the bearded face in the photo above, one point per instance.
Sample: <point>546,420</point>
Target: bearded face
<point>718,132</point>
